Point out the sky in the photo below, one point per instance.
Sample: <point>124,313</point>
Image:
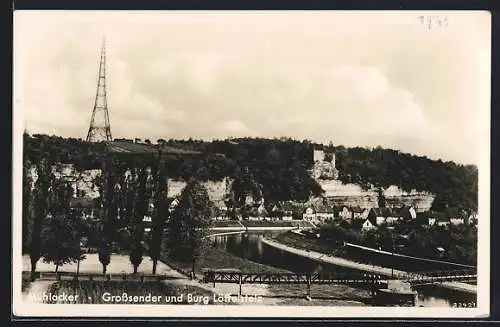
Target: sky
<point>353,78</point>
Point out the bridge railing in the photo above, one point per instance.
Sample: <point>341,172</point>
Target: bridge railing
<point>436,275</point>
<point>213,276</point>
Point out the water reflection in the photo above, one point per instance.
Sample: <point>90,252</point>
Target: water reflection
<point>249,246</point>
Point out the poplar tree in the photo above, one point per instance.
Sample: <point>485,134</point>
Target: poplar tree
<point>160,213</point>
<point>189,224</point>
<point>60,234</point>
<point>27,212</point>
<point>137,224</point>
<point>41,195</point>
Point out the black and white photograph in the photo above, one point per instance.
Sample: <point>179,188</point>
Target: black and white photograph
<point>251,163</point>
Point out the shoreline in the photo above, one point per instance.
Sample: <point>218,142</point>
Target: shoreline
<point>325,258</point>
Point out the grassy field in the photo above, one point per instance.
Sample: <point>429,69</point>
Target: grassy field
<point>306,243</point>
<point>94,292</point>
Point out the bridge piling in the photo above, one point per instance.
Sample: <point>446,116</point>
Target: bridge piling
<point>309,285</point>
<point>240,281</point>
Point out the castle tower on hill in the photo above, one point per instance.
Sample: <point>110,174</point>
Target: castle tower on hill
<point>318,155</point>
<point>324,165</point>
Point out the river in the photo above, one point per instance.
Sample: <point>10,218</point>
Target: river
<point>249,246</point>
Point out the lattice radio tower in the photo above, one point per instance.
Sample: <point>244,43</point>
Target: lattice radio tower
<point>100,129</point>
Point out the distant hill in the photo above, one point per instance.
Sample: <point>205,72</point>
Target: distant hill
<point>453,184</point>
<point>278,169</point>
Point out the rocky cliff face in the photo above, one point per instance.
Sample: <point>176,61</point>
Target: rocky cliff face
<point>216,190</point>
<point>83,182</point>
<point>353,195</point>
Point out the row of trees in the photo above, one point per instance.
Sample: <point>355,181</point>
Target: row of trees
<point>52,229</point>
<point>410,238</point>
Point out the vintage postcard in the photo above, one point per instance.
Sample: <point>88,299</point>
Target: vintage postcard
<point>251,164</point>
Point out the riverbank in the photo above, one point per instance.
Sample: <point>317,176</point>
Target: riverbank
<point>325,295</point>
<point>260,225</point>
<point>328,258</point>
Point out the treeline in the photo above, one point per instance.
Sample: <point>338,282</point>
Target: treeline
<point>278,168</point>
<point>453,184</point>
<point>274,168</point>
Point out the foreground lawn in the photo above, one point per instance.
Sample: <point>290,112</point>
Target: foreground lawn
<point>100,292</point>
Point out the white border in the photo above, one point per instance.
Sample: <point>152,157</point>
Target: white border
<point>21,308</point>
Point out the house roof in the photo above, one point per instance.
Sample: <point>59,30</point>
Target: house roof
<point>357,224</point>
<point>440,216</point>
<point>453,212</point>
<point>382,212</point>
<point>322,208</point>
<point>423,215</point>
<point>219,204</point>
<point>287,207</point>
<point>273,206</point>
<point>356,209</point>
<point>372,220</point>
<point>402,211</point>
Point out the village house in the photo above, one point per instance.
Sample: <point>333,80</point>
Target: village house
<point>248,200</point>
<point>359,213</point>
<point>257,212</point>
<point>457,221</point>
<point>369,223</point>
<point>472,219</point>
<point>438,219</point>
<point>423,218</point>
<point>275,210</point>
<point>346,213</point>
<point>219,214</point>
<point>220,210</point>
<point>323,212</point>
<point>287,210</point>
<point>407,213</point>
<point>381,215</point>
<point>309,214</point>
<point>173,204</point>
<point>455,216</point>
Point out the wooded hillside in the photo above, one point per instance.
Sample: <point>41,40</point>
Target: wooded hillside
<point>279,168</point>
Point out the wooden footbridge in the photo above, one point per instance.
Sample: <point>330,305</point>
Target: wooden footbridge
<point>215,276</point>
